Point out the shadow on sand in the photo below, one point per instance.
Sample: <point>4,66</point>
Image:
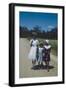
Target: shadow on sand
<point>41,67</point>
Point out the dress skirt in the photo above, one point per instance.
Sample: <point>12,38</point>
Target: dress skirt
<point>46,57</point>
<point>32,53</point>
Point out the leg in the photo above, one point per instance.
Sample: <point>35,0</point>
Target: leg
<point>48,66</point>
<point>38,62</point>
<point>33,62</point>
<point>41,63</point>
<point>46,63</point>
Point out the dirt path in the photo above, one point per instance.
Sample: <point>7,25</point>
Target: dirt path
<point>25,67</point>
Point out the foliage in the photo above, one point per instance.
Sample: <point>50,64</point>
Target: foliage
<point>25,32</point>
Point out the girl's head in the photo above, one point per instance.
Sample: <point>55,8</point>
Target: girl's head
<point>46,42</point>
<point>34,37</point>
<point>41,44</point>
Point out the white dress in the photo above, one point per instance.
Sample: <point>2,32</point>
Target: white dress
<point>40,54</point>
<point>33,50</point>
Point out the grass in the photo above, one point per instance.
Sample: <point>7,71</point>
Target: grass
<point>54,44</point>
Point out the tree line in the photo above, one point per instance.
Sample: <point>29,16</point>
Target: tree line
<point>49,34</point>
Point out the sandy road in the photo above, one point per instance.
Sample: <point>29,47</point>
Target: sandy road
<point>25,67</point>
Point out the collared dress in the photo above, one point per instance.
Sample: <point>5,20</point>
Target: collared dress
<point>46,52</point>
<point>40,56</point>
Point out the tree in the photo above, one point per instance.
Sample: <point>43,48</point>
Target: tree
<point>37,28</point>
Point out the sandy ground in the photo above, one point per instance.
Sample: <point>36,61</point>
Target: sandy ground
<point>25,65</point>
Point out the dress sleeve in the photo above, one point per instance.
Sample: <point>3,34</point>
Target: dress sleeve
<point>50,46</point>
<point>37,42</point>
<point>31,41</point>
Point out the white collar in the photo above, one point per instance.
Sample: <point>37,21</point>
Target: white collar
<point>47,47</point>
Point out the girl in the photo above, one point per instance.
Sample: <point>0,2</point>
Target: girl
<point>47,50</point>
<point>33,50</point>
<point>40,54</point>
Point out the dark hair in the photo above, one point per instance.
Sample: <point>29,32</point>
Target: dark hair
<point>41,44</point>
<point>34,37</point>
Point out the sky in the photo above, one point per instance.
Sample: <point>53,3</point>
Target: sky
<point>46,21</point>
